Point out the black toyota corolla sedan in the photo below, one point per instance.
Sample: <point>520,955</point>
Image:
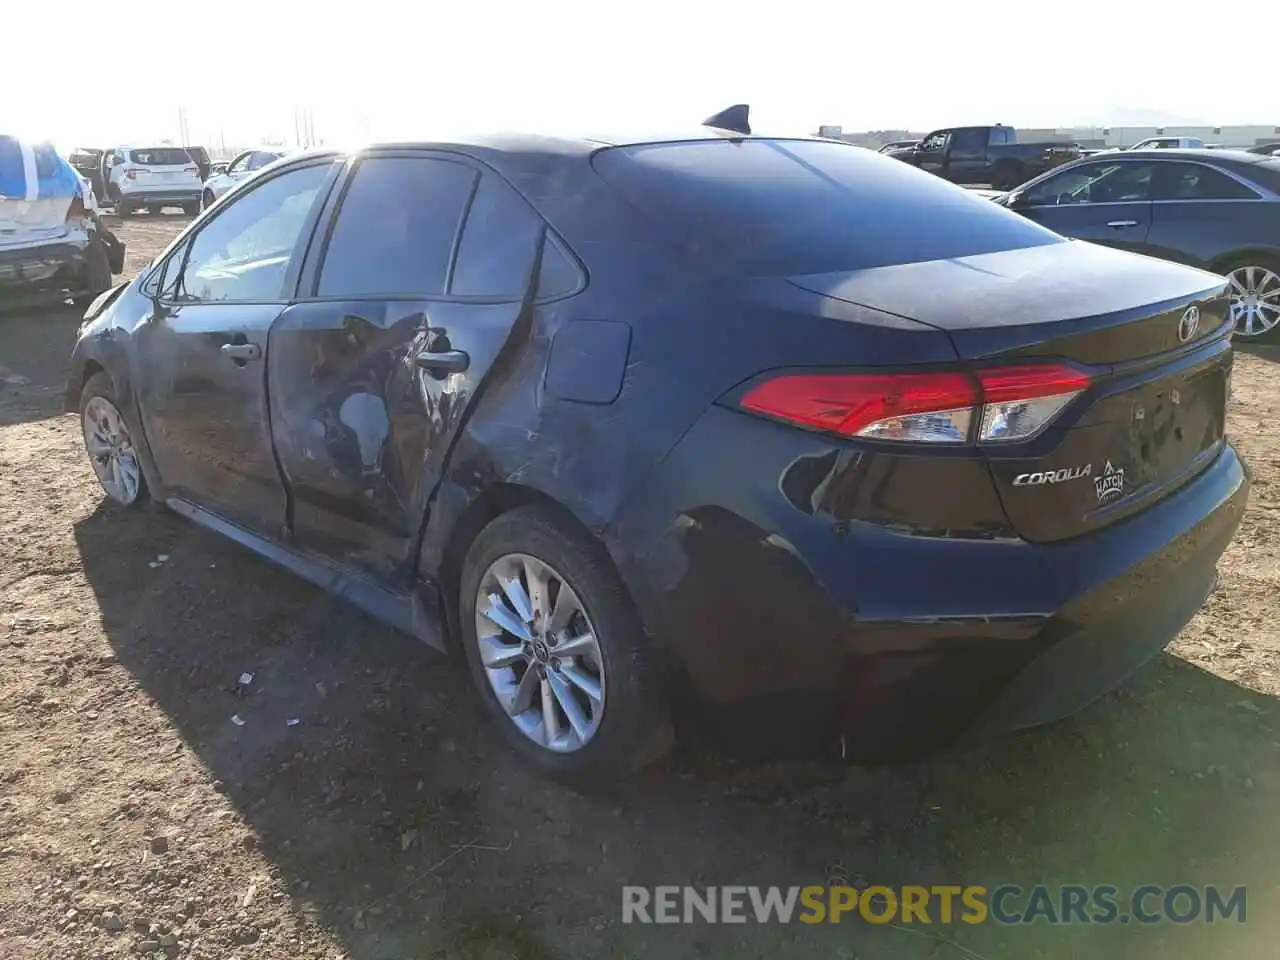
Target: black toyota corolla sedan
<point>1214,209</point>
<point>782,441</point>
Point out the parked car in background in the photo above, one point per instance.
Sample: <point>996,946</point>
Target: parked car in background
<point>1266,149</point>
<point>989,155</point>
<point>896,145</point>
<point>88,163</point>
<point>52,244</point>
<point>1218,210</point>
<point>629,499</point>
<point>203,164</point>
<point>152,178</point>
<point>241,168</point>
<point>1169,143</point>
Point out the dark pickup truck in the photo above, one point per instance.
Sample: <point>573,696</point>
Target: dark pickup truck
<point>985,155</point>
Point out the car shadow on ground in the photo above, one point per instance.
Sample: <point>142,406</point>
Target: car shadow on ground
<point>34,343</point>
<point>397,820</point>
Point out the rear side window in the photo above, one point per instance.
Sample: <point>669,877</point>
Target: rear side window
<point>1194,181</point>
<point>498,243</point>
<point>160,157</point>
<point>771,208</point>
<point>396,228</point>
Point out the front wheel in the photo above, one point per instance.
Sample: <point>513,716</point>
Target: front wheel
<point>556,650</point>
<point>1255,298</point>
<point>110,444</point>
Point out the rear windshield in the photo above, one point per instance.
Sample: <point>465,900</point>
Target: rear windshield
<point>777,207</point>
<point>160,157</point>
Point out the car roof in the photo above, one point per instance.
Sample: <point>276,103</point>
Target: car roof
<point>1192,153</point>
<point>515,144</point>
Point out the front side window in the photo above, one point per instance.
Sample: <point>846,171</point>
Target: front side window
<point>935,141</point>
<point>244,252</point>
<point>260,158</point>
<point>240,164</point>
<point>396,228</point>
<point>1094,183</point>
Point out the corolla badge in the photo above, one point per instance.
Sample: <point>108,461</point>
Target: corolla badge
<point>1041,477</point>
<point>1110,483</point>
<point>1189,324</point>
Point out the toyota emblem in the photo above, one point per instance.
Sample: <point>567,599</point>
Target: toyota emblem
<point>1189,324</point>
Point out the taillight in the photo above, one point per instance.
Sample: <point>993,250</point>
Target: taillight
<point>1019,402</point>
<point>992,406</point>
<point>131,174</point>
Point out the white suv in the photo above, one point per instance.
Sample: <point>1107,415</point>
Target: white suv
<point>153,177</point>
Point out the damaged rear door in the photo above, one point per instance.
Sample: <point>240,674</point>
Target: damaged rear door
<point>409,299</point>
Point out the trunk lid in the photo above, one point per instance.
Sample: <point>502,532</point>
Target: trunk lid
<point>1154,415</point>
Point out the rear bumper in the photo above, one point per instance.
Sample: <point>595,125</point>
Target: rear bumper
<point>35,275</point>
<point>787,632</point>
<point>175,197</point>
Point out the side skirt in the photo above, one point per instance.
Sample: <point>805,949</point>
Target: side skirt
<point>417,614</point>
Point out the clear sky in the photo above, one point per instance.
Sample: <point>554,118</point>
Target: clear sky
<point>387,68</point>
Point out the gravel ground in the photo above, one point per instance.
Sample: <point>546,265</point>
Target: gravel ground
<point>138,817</point>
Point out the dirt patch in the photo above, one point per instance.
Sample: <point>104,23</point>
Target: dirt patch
<point>137,815</point>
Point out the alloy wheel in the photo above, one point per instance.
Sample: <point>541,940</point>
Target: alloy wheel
<point>111,451</point>
<point>1255,300</point>
<point>540,652</point>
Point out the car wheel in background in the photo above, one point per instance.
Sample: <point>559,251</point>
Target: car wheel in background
<point>155,210</point>
<point>1255,297</point>
<point>123,207</point>
<point>109,443</point>
<point>97,271</point>
<point>191,209</point>
<point>207,198</point>
<point>557,651</point>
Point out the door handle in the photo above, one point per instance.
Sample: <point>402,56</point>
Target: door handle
<point>242,351</point>
<point>1121,224</point>
<point>445,361</point>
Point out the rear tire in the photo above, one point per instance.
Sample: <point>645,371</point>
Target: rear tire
<point>191,209</point>
<point>123,207</point>
<point>97,273</point>
<point>631,727</point>
<point>207,199</point>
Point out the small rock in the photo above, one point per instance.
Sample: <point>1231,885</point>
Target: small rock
<point>244,935</point>
<point>62,796</point>
<point>111,921</point>
<point>407,838</point>
<point>26,929</point>
<point>148,946</point>
<point>168,940</point>
<point>249,894</point>
<point>142,924</point>
<point>159,844</point>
